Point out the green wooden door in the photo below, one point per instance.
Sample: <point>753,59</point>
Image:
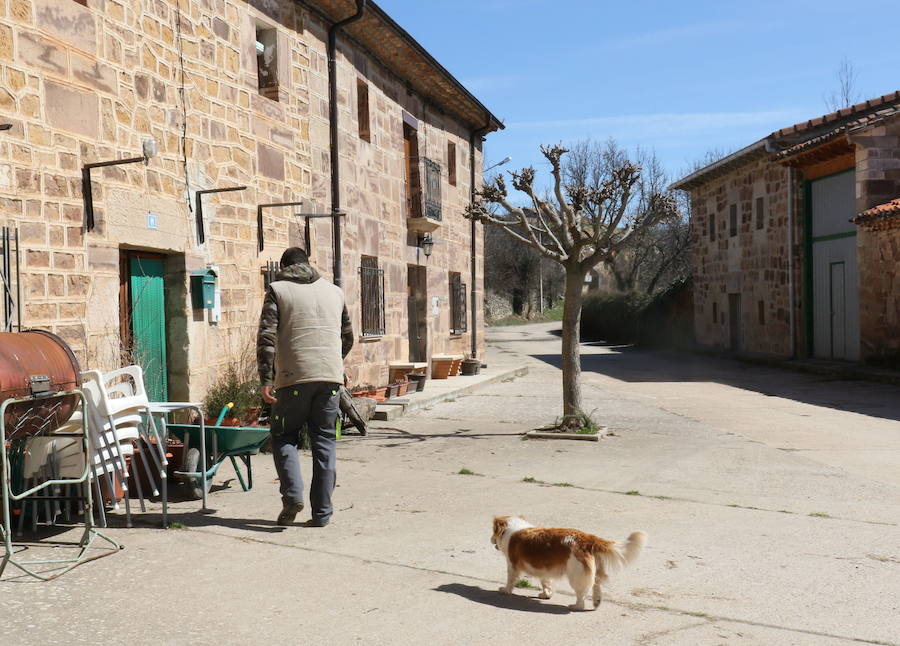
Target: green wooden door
<point>148,323</point>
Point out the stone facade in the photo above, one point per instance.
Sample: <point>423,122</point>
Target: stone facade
<point>754,262</point>
<point>86,84</point>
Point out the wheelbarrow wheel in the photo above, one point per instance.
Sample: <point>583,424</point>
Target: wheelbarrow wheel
<point>192,463</point>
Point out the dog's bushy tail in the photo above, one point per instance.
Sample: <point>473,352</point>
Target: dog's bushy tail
<point>615,556</point>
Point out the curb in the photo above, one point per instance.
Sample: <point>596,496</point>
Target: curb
<point>387,411</point>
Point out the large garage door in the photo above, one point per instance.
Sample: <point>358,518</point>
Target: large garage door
<point>835,278</point>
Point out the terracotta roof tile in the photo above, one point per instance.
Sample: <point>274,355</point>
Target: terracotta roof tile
<point>882,211</point>
<point>839,115</point>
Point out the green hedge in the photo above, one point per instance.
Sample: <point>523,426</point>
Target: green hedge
<point>611,316</point>
<point>665,320</point>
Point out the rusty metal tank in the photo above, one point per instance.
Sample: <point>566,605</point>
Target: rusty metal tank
<point>37,363</point>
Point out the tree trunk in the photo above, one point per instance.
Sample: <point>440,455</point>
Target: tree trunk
<point>571,349</point>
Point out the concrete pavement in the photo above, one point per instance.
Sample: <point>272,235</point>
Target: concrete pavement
<point>757,534</point>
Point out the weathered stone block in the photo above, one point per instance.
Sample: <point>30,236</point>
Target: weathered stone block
<point>72,110</point>
<point>271,162</point>
<point>36,51</point>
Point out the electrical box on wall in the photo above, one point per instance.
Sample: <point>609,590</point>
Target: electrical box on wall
<point>203,289</point>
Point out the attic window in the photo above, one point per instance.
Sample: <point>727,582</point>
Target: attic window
<point>362,110</point>
<point>451,163</point>
<point>267,62</point>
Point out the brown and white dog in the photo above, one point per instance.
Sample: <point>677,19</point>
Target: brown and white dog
<point>551,553</point>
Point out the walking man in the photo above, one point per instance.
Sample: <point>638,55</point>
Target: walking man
<point>304,335</point>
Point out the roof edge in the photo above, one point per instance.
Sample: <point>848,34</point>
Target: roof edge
<point>737,158</point>
<point>492,122</point>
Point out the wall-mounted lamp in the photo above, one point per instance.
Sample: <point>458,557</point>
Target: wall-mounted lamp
<point>148,148</point>
<point>426,243</point>
<point>201,234</point>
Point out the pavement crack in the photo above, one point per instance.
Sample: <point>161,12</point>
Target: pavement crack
<point>623,604</point>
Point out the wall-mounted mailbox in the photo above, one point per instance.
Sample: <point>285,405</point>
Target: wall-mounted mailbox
<point>203,289</point>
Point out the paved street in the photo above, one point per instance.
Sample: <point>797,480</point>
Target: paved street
<point>771,500</point>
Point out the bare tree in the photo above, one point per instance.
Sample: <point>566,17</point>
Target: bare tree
<point>655,256</point>
<point>846,93</point>
<point>588,217</point>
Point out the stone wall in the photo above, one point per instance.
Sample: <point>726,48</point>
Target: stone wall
<point>877,165</point>
<point>373,191</point>
<point>88,84</point>
<point>879,286</point>
<point>753,263</point>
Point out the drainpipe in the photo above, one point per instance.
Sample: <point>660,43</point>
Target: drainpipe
<point>333,127</point>
<point>472,252</point>
<point>790,242</point>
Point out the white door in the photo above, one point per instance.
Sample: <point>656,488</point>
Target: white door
<point>838,311</point>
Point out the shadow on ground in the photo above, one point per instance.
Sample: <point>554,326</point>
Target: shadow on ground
<point>637,365</point>
<point>500,600</point>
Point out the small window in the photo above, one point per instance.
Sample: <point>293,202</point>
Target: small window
<point>760,212</point>
<point>715,313</point>
<point>761,312</point>
<point>733,221</point>
<point>451,162</point>
<point>83,3</point>
<point>712,227</point>
<point>267,62</point>
<point>362,110</point>
<point>457,304</point>
<point>371,281</point>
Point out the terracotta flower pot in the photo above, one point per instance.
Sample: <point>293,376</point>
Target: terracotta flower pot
<point>402,388</point>
<point>379,394</point>
<point>441,368</point>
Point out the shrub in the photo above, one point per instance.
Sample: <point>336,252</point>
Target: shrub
<point>611,316</point>
<point>231,387</point>
<point>668,319</point>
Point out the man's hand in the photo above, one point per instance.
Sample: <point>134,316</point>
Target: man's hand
<point>267,395</point>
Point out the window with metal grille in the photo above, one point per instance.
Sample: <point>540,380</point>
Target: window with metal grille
<point>413,183</point>
<point>362,110</point>
<point>760,212</point>
<point>457,304</point>
<point>451,163</point>
<point>432,190</point>
<point>733,221</point>
<point>371,281</point>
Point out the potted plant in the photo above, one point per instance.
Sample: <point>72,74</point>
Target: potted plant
<point>470,366</point>
<point>231,388</point>
<point>392,390</point>
<point>417,382</point>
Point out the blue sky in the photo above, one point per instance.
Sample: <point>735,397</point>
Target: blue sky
<point>678,76</point>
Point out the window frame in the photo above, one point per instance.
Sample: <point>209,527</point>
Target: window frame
<point>733,221</point>
<point>451,163</point>
<point>262,34</point>
<point>371,298</point>
<point>458,310</point>
<point>363,115</point>
<point>760,206</point>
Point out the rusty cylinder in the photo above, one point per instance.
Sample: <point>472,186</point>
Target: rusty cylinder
<point>36,363</point>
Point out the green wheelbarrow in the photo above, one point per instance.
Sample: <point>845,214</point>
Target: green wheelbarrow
<point>222,442</point>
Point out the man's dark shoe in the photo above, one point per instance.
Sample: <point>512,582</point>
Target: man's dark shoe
<point>318,522</point>
<point>289,513</point>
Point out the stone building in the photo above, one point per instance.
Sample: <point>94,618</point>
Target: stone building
<point>246,117</point>
<point>790,259</point>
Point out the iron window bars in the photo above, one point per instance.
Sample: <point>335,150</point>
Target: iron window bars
<point>457,304</point>
<point>371,280</point>
<point>12,301</point>
<point>432,190</point>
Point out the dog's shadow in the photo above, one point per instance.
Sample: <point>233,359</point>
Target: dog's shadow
<point>500,600</point>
